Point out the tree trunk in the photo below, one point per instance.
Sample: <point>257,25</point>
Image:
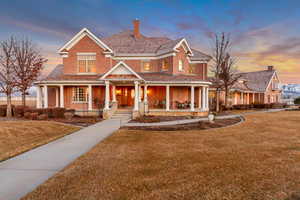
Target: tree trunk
<point>226,97</point>
<point>217,100</point>
<point>23,98</point>
<point>8,109</point>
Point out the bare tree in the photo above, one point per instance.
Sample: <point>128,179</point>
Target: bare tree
<point>220,50</point>
<point>228,75</point>
<point>7,81</point>
<point>28,65</point>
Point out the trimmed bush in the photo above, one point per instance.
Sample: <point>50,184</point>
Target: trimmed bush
<point>69,115</point>
<point>27,115</point>
<point>2,111</point>
<point>34,116</point>
<point>58,112</point>
<point>19,111</point>
<point>297,100</point>
<point>42,117</point>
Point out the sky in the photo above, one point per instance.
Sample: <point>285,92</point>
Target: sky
<point>263,32</point>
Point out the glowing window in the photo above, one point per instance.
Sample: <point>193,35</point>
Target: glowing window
<point>164,65</point>
<point>146,65</point>
<point>86,63</point>
<point>180,65</point>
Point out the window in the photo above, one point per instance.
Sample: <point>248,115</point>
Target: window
<point>86,63</point>
<point>146,65</point>
<point>164,65</point>
<point>180,65</point>
<point>192,69</point>
<point>80,94</point>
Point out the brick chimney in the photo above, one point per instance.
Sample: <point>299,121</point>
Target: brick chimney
<point>270,68</point>
<point>136,28</point>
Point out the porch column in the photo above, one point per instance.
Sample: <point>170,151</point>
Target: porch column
<point>242,97</point>
<point>206,99</point>
<point>248,98</point>
<point>61,93</point>
<point>136,94</point>
<point>140,93</point>
<point>203,98</point>
<point>145,94</point>
<point>90,101</point>
<point>235,98</point>
<point>199,100</point>
<point>167,97</point>
<point>253,97</point>
<point>106,105</point>
<point>56,97</point>
<point>114,93</point>
<point>45,96</point>
<point>192,98</point>
<point>38,97</point>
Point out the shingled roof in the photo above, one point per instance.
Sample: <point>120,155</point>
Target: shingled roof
<point>258,80</point>
<point>125,43</point>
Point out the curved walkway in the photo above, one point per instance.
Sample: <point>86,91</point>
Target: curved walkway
<point>187,121</point>
<point>21,174</point>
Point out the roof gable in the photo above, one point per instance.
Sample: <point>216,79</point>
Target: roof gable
<point>122,70</point>
<point>81,34</point>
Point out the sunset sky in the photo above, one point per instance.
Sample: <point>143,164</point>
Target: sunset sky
<point>264,32</point>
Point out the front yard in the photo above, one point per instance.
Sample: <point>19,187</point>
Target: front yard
<point>20,136</point>
<point>258,159</point>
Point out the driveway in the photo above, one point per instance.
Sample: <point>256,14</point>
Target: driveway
<point>22,174</point>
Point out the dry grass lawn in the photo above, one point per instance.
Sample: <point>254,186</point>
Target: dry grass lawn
<point>258,159</point>
<point>20,136</point>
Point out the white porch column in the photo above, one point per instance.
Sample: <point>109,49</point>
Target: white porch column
<point>106,104</point>
<point>248,98</point>
<point>206,99</point>
<point>61,92</point>
<point>114,93</point>
<point>242,97</point>
<point>90,101</point>
<point>192,98</point>
<point>203,98</point>
<point>45,96</point>
<point>136,96</point>
<point>253,97</point>
<point>38,97</point>
<point>235,98</point>
<point>56,97</point>
<point>145,93</point>
<point>199,100</point>
<point>167,97</point>
<point>140,93</point>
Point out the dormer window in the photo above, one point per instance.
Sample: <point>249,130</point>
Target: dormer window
<point>180,65</point>
<point>146,66</point>
<point>86,62</point>
<point>164,65</point>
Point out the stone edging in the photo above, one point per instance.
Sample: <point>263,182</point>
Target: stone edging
<point>187,121</point>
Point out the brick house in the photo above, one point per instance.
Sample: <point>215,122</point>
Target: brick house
<point>258,87</point>
<point>128,71</point>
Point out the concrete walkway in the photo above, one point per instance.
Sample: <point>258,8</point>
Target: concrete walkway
<point>22,174</point>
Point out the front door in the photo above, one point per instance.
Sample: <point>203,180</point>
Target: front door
<point>125,96</point>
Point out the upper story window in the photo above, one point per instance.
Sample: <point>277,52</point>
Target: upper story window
<point>164,65</point>
<point>146,65</point>
<point>80,95</point>
<point>192,69</point>
<point>86,63</point>
<point>180,65</point>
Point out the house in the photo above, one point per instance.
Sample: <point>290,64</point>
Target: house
<point>128,71</point>
<point>258,87</point>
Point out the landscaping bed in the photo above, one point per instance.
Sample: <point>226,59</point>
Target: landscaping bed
<point>201,125</point>
<point>83,121</point>
<point>155,119</point>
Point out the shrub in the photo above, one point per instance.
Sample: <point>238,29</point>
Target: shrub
<point>58,112</point>
<point>27,115</point>
<point>42,117</point>
<point>297,100</point>
<point>2,111</point>
<point>69,115</point>
<point>34,116</point>
<point>19,111</point>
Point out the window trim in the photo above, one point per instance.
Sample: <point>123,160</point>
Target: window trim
<point>180,65</point>
<point>143,66</point>
<point>76,96</point>
<point>162,66</point>
<point>86,63</point>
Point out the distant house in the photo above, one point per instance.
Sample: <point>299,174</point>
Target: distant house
<point>258,87</point>
<point>128,71</point>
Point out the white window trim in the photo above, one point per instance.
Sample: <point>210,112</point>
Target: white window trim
<point>182,68</point>
<point>76,101</point>
<point>86,65</point>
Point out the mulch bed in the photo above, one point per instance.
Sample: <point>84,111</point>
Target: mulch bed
<point>202,125</point>
<point>154,119</point>
<point>78,121</point>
